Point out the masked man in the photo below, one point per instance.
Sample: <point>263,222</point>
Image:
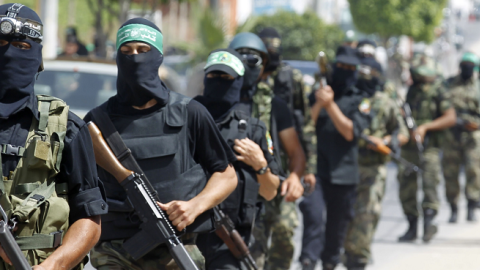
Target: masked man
<point>174,140</point>
<point>287,84</point>
<point>462,142</point>
<point>249,138</point>
<point>384,126</point>
<point>433,113</point>
<point>50,186</point>
<point>340,121</point>
<point>257,99</point>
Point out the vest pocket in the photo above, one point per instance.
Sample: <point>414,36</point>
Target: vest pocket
<point>42,154</point>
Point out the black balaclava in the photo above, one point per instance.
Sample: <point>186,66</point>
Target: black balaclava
<point>466,71</point>
<point>221,95</point>
<point>18,67</point>
<point>250,79</point>
<point>369,86</point>
<point>342,79</point>
<point>273,42</point>
<point>138,80</point>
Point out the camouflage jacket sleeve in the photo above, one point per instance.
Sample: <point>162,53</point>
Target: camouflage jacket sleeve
<point>402,127</point>
<point>298,91</point>
<point>309,134</point>
<point>443,104</point>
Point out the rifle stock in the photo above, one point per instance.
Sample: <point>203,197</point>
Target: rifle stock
<point>105,157</point>
<point>225,230</point>
<point>155,228</point>
<point>322,62</point>
<point>385,150</point>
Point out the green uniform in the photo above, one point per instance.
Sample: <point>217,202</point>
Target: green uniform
<point>109,255</point>
<point>280,218</point>
<point>386,119</point>
<point>462,146</point>
<point>427,103</point>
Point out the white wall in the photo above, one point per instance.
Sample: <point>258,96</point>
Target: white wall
<point>245,8</point>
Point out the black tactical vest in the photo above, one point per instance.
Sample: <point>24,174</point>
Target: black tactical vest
<point>159,143</point>
<point>241,205</point>
<point>283,85</point>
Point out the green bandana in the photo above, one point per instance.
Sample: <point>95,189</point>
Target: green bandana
<point>226,58</point>
<point>142,33</point>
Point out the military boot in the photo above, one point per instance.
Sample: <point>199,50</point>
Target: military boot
<point>429,229</point>
<point>454,214</point>
<point>307,264</point>
<point>357,267</point>
<point>471,207</point>
<point>411,233</point>
<point>328,266</point>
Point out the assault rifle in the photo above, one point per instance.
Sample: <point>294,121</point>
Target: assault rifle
<point>225,229</point>
<point>10,246</point>
<point>156,229</point>
<point>307,188</point>
<point>383,149</point>
<point>412,126</point>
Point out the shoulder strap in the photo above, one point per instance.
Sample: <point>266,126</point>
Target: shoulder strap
<point>114,140</point>
<point>276,146</point>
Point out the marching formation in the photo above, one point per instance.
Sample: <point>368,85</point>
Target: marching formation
<point>152,179</point>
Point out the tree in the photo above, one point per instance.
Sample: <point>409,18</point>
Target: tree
<point>109,13</point>
<point>387,18</point>
<point>303,36</point>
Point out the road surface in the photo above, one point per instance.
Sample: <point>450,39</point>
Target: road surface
<point>455,246</point>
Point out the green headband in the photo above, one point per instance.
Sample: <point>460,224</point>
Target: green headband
<point>142,33</point>
<point>225,58</point>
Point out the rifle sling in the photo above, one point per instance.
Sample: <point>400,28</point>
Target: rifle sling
<point>114,140</point>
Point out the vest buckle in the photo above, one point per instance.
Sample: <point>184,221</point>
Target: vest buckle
<point>8,149</point>
<point>57,238</point>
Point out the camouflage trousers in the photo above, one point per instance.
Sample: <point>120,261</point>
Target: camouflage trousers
<point>456,154</point>
<point>38,259</point>
<point>278,223</point>
<point>110,255</point>
<point>430,180</point>
<point>368,207</point>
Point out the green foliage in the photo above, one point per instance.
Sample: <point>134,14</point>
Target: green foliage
<point>303,36</point>
<point>210,35</point>
<point>415,18</point>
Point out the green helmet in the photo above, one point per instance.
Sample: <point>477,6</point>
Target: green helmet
<point>424,68</point>
<point>471,57</point>
<point>249,41</point>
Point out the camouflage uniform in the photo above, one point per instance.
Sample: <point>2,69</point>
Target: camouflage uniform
<point>427,103</point>
<point>280,218</point>
<point>461,146</point>
<point>109,255</point>
<point>386,119</point>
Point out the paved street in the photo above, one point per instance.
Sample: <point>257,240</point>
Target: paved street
<point>455,247</point>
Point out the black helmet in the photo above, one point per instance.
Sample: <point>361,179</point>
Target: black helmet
<point>248,41</point>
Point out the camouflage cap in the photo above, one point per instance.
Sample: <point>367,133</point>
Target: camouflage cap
<point>424,66</point>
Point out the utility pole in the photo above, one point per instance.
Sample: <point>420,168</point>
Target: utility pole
<point>49,16</point>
